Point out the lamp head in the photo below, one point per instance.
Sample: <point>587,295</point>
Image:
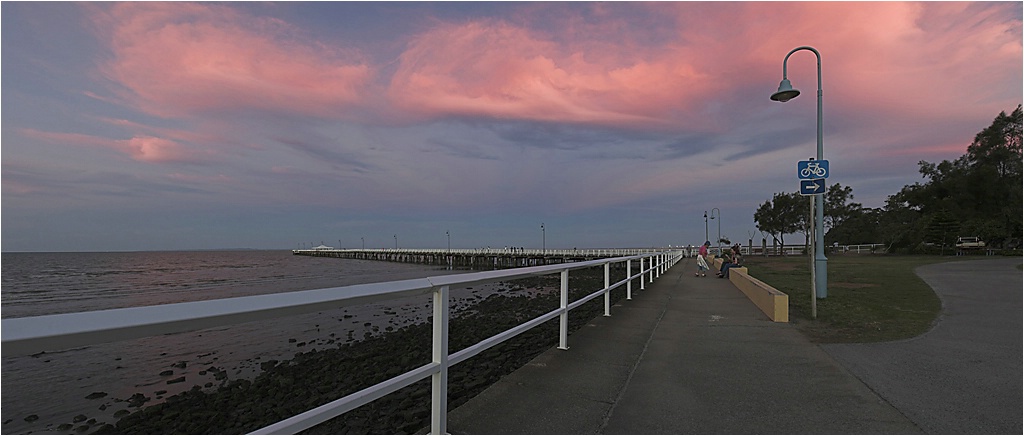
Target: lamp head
<point>785,92</point>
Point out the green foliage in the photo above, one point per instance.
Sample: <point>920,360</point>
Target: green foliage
<point>839,206</point>
<point>859,227</point>
<point>788,213</point>
<point>942,230</point>
<point>782,215</point>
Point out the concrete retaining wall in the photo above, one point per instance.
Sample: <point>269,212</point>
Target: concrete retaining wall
<point>771,301</point>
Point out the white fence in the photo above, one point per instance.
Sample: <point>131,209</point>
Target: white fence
<point>587,252</point>
<point>799,249</point>
<point>22,336</point>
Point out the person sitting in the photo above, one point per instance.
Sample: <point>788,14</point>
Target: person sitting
<point>734,260</point>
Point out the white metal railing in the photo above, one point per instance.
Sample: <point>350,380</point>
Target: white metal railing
<point>22,336</point>
<point>603,252</point>
<point>798,249</point>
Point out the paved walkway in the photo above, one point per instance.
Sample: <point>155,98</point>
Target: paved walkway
<point>687,355</point>
<point>965,375</point>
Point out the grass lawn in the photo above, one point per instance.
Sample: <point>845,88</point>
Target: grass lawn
<point>871,298</point>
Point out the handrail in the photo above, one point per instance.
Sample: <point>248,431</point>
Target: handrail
<point>21,336</point>
<point>507,251</point>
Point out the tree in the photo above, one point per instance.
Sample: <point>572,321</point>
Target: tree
<point>839,205</point>
<point>942,230</point>
<point>994,160</point>
<point>780,216</point>
<point>789,213</point>
<point>861,227</point>
<point>896,222</point>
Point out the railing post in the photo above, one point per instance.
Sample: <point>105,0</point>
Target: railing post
<point>629,282</point>
<point>642,273</point>
<point>563,319</point>
<point>439,381</point>
<point>607,293</point>
<point>651,266</point>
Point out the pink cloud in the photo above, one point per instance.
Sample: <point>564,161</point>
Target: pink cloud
<point>147,149</point>
<point>928,60</point>
<point>16,187</point>
<point>922,59</point>
<point>919,59</point>
<point>151,149</point>
<point>931,153</point>
<point>496,69</point>
<point>184,59</point>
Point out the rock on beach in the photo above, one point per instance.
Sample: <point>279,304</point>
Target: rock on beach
<point>316,377</point>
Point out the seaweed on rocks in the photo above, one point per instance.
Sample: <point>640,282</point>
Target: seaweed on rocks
<point>314,378</point>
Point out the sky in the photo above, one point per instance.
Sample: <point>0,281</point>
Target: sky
<point>177,126</point>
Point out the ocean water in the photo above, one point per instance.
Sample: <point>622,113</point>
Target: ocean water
<point>64,390</point>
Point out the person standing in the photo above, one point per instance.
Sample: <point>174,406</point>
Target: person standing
<point>702,262</point>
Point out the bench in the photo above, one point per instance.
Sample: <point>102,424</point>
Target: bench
<point>771,301</point>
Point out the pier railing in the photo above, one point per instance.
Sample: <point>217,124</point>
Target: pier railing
<point>507,257</point>
<point>22,336</point>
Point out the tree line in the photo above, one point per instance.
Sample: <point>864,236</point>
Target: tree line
<point>978,194</point>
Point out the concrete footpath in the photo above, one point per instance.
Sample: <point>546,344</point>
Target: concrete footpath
<point>687,355</point>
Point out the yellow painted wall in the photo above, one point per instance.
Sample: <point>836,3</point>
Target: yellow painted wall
<point>771,301</point>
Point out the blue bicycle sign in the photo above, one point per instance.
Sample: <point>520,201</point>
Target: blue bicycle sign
<point>812,169</point>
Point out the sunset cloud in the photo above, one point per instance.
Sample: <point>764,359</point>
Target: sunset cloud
<point>150,149</point>
<point>140,148</point>
<point>184,59</point>
<point>187,59</point>
<point>497,70</point>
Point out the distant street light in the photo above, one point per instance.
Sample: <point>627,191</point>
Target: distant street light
<point>784,94</point>
<point>719,216</point>
<point>364,241</point>
<point>706,226</point>
<point>396,242</point>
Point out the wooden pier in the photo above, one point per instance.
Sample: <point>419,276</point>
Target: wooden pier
<point>476,258</point>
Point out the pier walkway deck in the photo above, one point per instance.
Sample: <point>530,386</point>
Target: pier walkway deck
<point>687,355</point>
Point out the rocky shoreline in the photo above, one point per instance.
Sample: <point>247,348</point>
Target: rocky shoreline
<point>316,377</point>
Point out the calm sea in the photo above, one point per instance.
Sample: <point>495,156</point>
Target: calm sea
<point>52,388</point>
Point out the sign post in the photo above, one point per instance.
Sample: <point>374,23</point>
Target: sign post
<point>814,283</point>
<point>812,174</point>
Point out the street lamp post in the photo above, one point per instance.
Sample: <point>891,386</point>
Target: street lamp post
<point>362,238</point>
<point>719,216</point>
<point>784,94</point>
<point>396,242</point>
<point>706,226</point>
